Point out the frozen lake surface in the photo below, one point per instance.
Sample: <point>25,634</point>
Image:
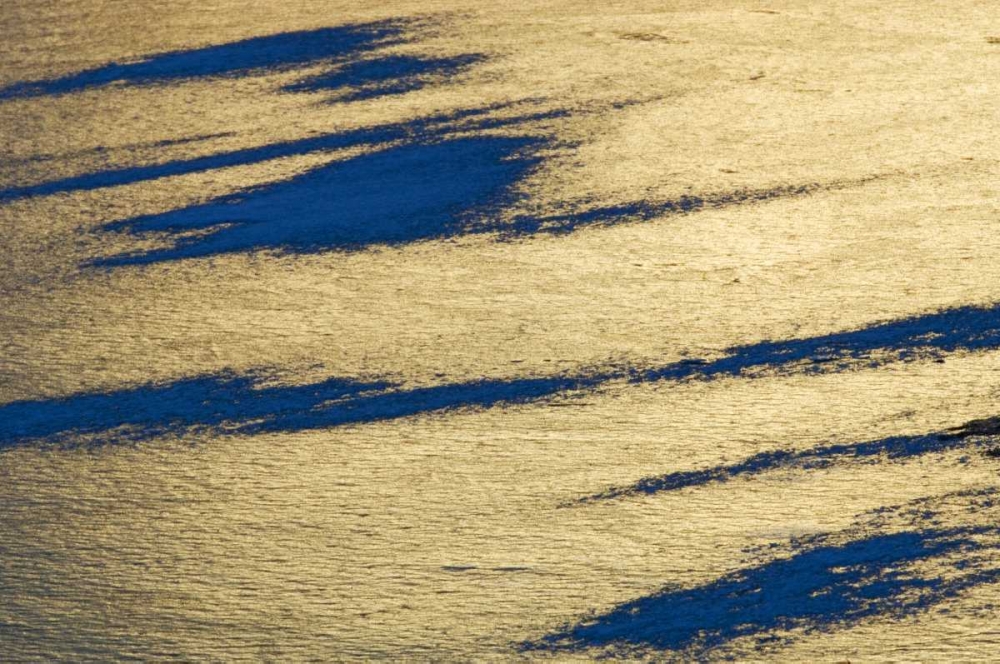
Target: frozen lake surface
<point>458,331</point>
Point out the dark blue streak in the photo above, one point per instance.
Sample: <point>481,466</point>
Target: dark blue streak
<point>270,53</point>
<point>895,448</point>
<point>156,409</point>
<point>286,409</point>
<point>946,331</point>
<point>610,215</point>
<point>386,75</point>
<point>820,588</point>
<point>435,125</point>
<point>230,403</point>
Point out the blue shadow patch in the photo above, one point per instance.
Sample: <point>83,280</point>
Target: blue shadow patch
<point>821,587</point>
<point>276,52</point>
<point>394,196</point>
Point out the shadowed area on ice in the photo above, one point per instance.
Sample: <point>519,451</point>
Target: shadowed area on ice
<point>438,176</point>
<point>889,563</point>
<point>276,52</point>
<point>930,335</point>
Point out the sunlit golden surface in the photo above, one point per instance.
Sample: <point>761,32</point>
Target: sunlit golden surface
<point>807,169</point>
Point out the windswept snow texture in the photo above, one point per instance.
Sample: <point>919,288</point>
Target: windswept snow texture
<point>258,54</point>
<point>307,407</point>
